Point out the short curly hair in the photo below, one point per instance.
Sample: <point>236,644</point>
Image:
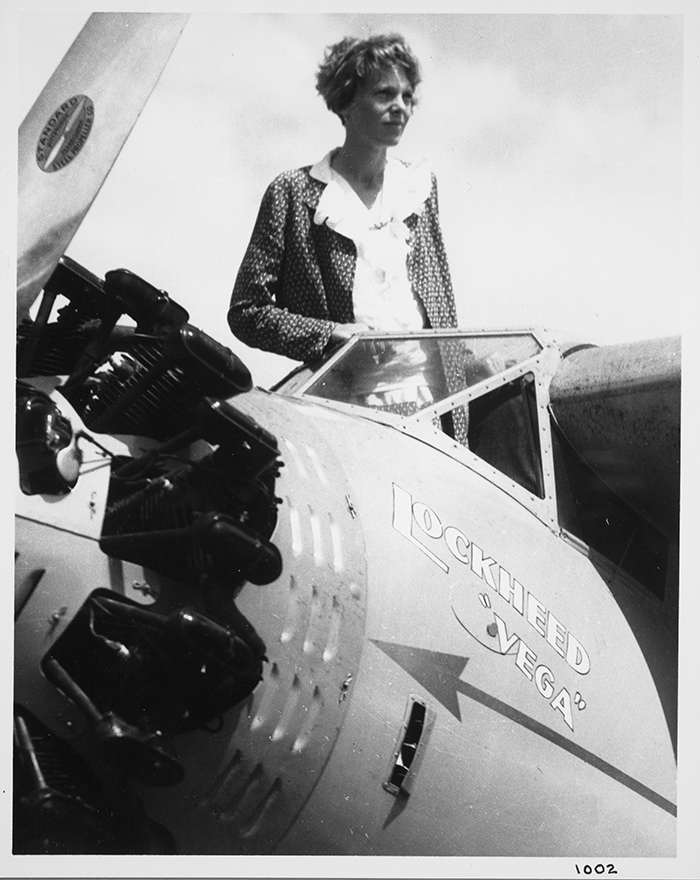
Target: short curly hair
<point>348,64</point>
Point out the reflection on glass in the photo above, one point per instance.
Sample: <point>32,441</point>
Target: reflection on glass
<point>406,374</point>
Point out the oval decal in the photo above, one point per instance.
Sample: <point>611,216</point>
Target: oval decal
<point>65,133</point>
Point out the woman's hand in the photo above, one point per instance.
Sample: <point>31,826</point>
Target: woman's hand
<point>343,332</point>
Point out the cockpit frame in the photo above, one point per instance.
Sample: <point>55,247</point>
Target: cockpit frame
<point>424,424</point>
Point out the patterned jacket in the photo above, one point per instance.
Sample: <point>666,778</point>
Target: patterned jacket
<point>296,278</point>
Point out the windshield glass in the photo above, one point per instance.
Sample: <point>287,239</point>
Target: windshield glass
<point>405,374</point>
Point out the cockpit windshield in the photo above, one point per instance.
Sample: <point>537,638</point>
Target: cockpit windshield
<point>426,379</point>
<point>405,374</point>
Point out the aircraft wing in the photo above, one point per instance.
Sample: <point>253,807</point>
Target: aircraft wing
<point>619,405</point>
<point>76,128</point>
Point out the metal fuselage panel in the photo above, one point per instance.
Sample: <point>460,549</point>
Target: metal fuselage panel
<point>253,778</point>
<point>407,577</point>
<point>246,782</point>
<point>549,737</point>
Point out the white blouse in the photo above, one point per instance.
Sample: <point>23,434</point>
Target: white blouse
<point>382,294</point>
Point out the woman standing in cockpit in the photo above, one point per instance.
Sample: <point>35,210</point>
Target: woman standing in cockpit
<point>352,243</point>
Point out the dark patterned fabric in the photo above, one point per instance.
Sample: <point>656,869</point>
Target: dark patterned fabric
<point>296,278</point>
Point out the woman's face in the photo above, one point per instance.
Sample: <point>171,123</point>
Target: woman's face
<point>381,108</point>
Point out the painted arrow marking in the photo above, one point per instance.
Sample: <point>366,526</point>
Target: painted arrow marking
<point>440,675</point>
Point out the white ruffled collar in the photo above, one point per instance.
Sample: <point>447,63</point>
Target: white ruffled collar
<point>406,187</point>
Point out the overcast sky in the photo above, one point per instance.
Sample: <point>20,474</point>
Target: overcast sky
<point>557,140</point>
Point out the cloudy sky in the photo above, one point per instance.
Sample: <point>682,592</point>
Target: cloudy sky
<point>557,140</point>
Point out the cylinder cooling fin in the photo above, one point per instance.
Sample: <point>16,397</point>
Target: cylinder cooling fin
<point>167,381</point>
<point>61,807</point>
<point>142,677</point>
<point>191,502</point>
<point>200,520</point>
